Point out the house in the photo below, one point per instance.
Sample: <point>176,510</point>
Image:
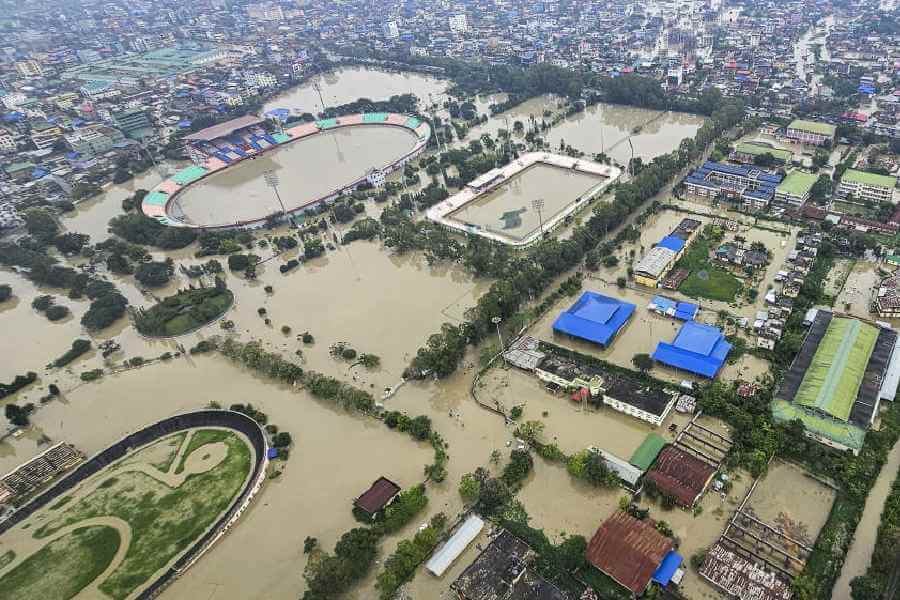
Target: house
<point>680,475</point>
<point>501,572</point>
<point>631,551</point>
<point>379,495</point>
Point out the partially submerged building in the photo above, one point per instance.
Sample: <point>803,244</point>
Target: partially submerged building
<point>749,186</point>
<point>834,386</point>
<point>633,552</point>
<point>811,132</point>
<point>379,495</point>
<point>680,475</point>
<point>595,318</point>
<point>501,572</point>
<point>660,259</point>
<point>698,348</point>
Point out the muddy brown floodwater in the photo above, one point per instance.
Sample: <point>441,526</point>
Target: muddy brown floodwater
<point>308,169</point>
<point>352,83</point>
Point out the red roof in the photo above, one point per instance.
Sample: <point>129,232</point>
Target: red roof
<point>628,550</point>
<point>378,495</point>
<point>679,474</point>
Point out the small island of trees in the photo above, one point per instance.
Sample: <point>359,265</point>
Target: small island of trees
<point>186,311</point>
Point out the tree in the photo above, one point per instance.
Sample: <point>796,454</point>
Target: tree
<point>571,553</point>
<point>71,242</point>
<point>469,487</point>
<point>18,415</point>
<point>313,248</point>
<point>494,495</point>
<point>642,362</point>
<point>866,587</point>
<point>57,313</point>
<point>41,225</point>
<point>369,361</point>
<point>517,469</point>
<point>5,292</point>
<point>282,439</point>
<point>154,274</point>
<point>821,188</point>
<point>238,262</point>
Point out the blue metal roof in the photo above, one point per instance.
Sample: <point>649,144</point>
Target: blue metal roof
<point>595,318</point>
<point>686,311</point>
<point>675,244</point>
<point>667,568</point>
<point>698,348</point>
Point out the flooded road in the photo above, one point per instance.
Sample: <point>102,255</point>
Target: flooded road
<point>859,556</point>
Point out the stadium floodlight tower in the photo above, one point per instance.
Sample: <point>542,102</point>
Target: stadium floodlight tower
<point>271,178</point>
<point>538,205</point>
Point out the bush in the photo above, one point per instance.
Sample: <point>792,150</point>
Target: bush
<point>308,338</point>
<point>517,469</point>
<point>281,439</point>
<point>154,274</point>
<point>104,311</point>
<point>348,353</point>
<point>92,375</point>
<point>56,313</point>
<point>5,292</point>
<point>42,303</point>
<point>291,264</point>
<point>469,487</point>
<point>238,262</point>
<point>20,381</point>
<point>286,329</point>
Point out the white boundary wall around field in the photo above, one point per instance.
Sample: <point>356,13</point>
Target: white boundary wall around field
<point>440,213</point>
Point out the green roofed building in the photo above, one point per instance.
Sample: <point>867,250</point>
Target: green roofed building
<point>746,152</point>
<point>795,188</point>
<point>867,186</point>
<point>811,132</point>
<point>647,452</point>
<point>837,380</point>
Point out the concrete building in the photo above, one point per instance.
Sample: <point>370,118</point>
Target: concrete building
<point>45,134</point>
<point>811,132</point>
<point>375,177</point>
<point>29,68</point>
<point>94,140</point>
<point>391,31</point>
<point>865,186</point>
<point>747,152</point>
<point>7,142</point>
<point>459,24</point>
<point>795,189</point>
<point>261,79</point>
<point>749,186</point>
<point>660,259</point>
<point>132,122</point>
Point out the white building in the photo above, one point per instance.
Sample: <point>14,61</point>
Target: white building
<point>261,80</point>
<point>458,23</point>
<point>7,142</point>
<point>375,177</point>
<point>867,186</point>
<point>29,68</point>
<point>391,31</point>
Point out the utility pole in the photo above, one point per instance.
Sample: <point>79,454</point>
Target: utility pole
<point>496,321</point>
<point>271,178</point>
<point>538,204</point>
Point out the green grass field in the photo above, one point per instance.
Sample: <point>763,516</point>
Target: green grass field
<point>164,521</point>
<point>716,283</point>
<point>63,567</point>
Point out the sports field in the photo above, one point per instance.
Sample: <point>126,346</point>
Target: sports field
<point>119,528</point>
<point>832,380</point>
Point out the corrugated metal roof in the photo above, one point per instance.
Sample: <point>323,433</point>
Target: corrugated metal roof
<point>628,550</point>
<point>441,560</point>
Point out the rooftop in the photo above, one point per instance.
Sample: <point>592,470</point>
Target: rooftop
<point>756,149</point>
<point>655,261</point>
<point>797,183</point>
<point>595,318</point>
<point>813,127</point>
<point>680,474</point>
<point>223,129</point>
<point>865,178</point>
<point>377,496</point>
<point>629,550</point>
<point>698,348</point>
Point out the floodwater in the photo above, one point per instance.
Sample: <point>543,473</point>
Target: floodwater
<point>860,288</point>
<point>308,169</point>
<point>347,85</point>
<point>605,128</point>
<point>859,556</point>
<point>508,209</point>
<point>92,216</point>
<point>794,500</point>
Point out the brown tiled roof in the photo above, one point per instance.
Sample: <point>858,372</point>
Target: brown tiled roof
<point>378,495</point>
<point>680,474</point>
<point>628,550</point>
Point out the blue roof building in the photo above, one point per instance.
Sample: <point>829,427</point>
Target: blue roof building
<point>667,568</point>
<point>683,311</point>
<point>698,348</point>
<point>747,183</point>
<point>673,243</point>
<point>595,318</point>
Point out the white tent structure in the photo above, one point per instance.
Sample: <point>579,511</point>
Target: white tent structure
<point>441,560</point>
